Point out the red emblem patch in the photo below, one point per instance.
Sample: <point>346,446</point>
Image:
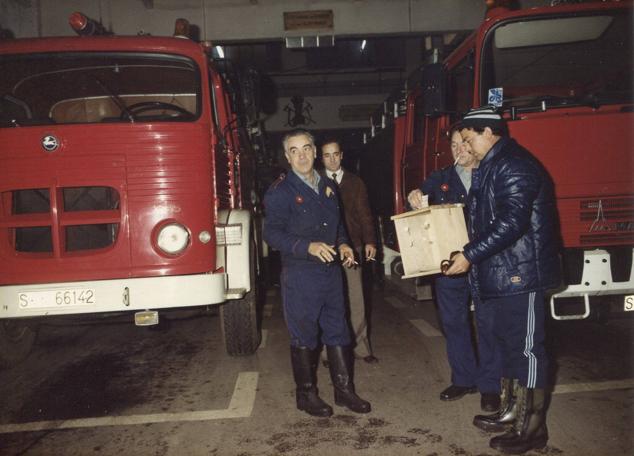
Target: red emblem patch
<point>299,199</point>
<point>444,187</point>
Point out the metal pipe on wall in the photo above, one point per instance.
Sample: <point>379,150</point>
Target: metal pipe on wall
<point>38,17</point>
<point>204,15</point>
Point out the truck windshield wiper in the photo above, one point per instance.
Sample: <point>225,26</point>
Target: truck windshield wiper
<point>597,98</point>
<point>117,99</point>
<point>544,102</point>
<point>14,121</point>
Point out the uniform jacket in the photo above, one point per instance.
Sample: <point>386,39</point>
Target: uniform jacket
<point>295,216</point>
<point>444,187</point>
<point>358,216</point>
<point>514,243</point>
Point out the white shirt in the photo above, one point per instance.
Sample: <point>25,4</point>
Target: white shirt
<point>338,175</point>
<point>465,176</point>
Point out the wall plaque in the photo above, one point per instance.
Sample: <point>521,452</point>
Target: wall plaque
<point>308,20</point>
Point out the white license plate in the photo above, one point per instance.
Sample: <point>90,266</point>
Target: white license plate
<point>628,305</point>
<point>66,297</point>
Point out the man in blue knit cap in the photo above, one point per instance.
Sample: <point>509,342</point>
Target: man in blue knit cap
<point>513,258</point>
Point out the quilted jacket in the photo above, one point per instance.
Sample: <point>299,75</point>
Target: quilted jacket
<point>514,245</point>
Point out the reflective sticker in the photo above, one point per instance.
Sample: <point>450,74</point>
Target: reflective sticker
<point>496,96</point>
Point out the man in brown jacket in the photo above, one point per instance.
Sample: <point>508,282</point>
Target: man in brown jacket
<point>360,226</point>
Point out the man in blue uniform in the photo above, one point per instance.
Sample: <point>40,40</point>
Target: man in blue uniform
<point>453,297</point>
<point>513,257</point>
<point>303,221</point>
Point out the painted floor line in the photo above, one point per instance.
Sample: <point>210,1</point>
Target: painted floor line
<point>427,329</point>
<point>395,302</point>
<point>240,406</point>
<point>265,335</point>
<point>595,386</point>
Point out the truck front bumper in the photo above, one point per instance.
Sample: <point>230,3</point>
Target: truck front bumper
<point>17,301</point>
<point>596,281</point>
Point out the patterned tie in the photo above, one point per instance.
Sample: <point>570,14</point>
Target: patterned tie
<point>334,177</point>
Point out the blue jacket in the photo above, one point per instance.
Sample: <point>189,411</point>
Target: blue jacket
<point>295,216</point>
<point>514,239</point>
<point>444,187</point>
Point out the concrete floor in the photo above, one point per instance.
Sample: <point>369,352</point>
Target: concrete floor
<point>109,388</point>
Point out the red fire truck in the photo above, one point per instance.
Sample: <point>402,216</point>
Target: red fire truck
<point>126,184</point>
<point>562,75</point>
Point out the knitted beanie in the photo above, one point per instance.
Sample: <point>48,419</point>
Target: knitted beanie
<point>485,116</point>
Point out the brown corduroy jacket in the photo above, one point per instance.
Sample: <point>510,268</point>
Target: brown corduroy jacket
<point>357,213</point>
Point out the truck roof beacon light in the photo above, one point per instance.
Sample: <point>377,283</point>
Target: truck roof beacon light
<point>85,26</point>
<point>181,28</point>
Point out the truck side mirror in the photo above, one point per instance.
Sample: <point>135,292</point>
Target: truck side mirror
<point>434,89</point>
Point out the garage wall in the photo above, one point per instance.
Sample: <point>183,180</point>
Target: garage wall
<point>327,113</point>
<point>230,20</point>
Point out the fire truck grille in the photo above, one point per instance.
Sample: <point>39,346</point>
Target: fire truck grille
<point>610,220</point>
<point>607,238</point>
<point>59,221</point>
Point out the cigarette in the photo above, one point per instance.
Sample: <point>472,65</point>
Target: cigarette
<point>457,158</point>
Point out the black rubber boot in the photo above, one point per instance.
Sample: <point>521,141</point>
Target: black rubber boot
<point>340,359</point>
<point>304,361</point>
<point>529,431</point>
<point>503,419</point>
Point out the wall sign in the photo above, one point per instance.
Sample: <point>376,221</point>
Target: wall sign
<point>308,20</point>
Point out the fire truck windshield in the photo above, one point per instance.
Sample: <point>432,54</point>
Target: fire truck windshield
<point>560,61</point>
<point>95,87</point>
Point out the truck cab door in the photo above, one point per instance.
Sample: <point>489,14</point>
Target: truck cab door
<point>413,166</point>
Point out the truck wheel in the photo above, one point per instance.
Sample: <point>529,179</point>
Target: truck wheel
<point>16,341</point>
<point>239,318</point>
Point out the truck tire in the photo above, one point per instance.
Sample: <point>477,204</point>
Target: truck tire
<point>16,342</point>
<point>239,318</point>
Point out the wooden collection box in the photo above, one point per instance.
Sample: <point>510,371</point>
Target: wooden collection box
<point>427,236</point>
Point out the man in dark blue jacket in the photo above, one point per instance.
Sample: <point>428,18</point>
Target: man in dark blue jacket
<point>453,296</point>
<point>513,256</point>
<point>303,221</point>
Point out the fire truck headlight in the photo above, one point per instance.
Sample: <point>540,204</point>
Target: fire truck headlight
<point>172,238</point>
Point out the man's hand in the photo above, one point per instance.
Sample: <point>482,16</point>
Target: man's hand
<point>326,253</point>
<point>460,265</point>
<point>347,255</point>
<point>370,252</point>
<point>415,199</point>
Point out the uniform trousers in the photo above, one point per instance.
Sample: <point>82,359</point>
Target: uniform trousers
<point>312,297</point>
<point>453,296</point>
<point>519,328</point>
